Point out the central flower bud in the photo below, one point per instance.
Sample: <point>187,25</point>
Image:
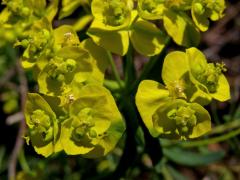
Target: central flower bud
<point>213,8</point>
<point>69,39</point>
<point>149,5</point>
<point>210,76</point>
<point>176,89</point>
<point>115,12</point>
<point>198,8</point>
<point>40,39</point>
<point>59,68</point>
<point>82,125</point>
<point>41,124</point>
<point>184,118</point>
<point>37,42</point>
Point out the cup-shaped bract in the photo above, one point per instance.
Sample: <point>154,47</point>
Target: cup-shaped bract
<point>202,10</point>
<point>95,124</point>
<point>112,14</point>
<point>100,57</point>
<point>208,77</point>
<point>68,63</point>
<point>181,120</point>
<point>181,28</point>
<point>42,125</point>
<point>175,75</point>
<point>146,38</point>
<point>175,65</point>
<point>104,38</point>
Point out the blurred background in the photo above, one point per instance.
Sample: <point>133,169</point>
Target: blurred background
<point>215,156</point>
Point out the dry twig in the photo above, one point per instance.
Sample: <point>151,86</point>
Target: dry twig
<point>19,140</point>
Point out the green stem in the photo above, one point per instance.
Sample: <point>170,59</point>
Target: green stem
<point>233,143</point>
<point>129,71</point>
<point>23,161</point>
<point>114,69</point>
<point>214,112</point>
<point>212,140</point>
<point>112,85</point>
<point>225,127</point>
<point>190,144</point>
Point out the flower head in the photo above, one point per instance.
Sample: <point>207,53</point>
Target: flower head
<point>43,126</point>
<point>181,120</point>
<point>95,124</point>
<point>203,9</point>
<point>112,14</point>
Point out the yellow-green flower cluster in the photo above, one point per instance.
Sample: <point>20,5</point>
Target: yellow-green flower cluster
<point>19,15</point>
<point>119,21</point>
<point>73,111</point>
<point>175,110</point>
<point>202,10</point>
<point>90,125</point>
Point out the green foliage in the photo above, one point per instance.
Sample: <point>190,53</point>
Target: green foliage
<point>10,99</point>
<point>194,159</point>
<point>7,58</point>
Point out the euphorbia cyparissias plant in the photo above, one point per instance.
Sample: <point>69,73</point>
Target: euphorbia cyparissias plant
<point>72,110</point>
